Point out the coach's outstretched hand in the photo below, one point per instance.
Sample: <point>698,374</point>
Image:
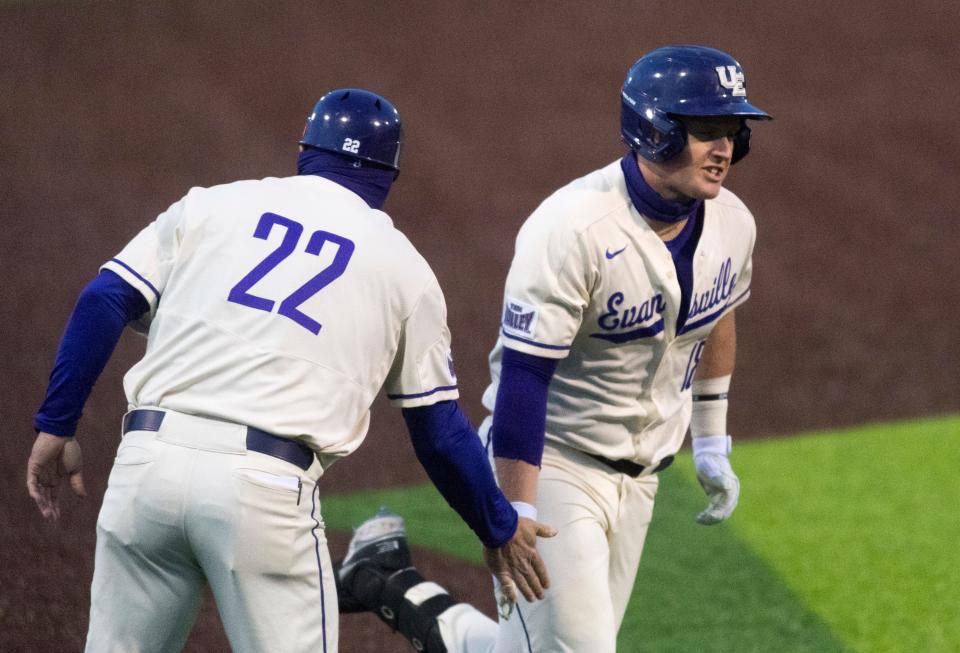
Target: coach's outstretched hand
<point>52,458</point>
<point>517,566</point>
<point>710,457</point>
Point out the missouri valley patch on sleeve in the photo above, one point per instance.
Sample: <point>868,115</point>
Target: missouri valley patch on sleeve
<point>519,319</point>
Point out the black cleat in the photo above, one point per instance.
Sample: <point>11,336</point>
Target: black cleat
<point>377,550</point>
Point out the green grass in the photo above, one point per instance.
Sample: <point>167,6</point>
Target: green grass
<point>701,588</point>
<point>843,541</point>
<point>431,523</point>
<point>862,525</point>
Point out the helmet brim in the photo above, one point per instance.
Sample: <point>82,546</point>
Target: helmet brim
<point>740,108</point>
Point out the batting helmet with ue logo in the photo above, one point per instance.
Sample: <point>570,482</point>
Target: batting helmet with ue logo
<point>682,80</point>
<point>358,124</point>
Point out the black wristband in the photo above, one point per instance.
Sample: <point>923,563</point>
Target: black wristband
<point>718,397</point>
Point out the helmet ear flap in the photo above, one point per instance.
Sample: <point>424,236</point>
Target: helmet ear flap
<point>665,134</point>
<point>653,134</point>
<point>741,143</point>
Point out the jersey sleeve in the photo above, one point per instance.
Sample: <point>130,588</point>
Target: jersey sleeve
<point>422,373</point>
<point>147,260</point>
<point>741,289</point>
<point>546,292</point>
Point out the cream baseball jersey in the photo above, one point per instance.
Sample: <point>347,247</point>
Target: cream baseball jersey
<point>285,304</point>
<point>592,284</point>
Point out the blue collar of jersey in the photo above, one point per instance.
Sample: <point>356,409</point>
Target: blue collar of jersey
<point>648,201</point>
<point>370,182</point>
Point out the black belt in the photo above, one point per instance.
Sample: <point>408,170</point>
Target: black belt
<point>260,441</point>
<point>631,468</point>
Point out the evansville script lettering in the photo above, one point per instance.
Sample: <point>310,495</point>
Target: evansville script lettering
<point>719,293</point>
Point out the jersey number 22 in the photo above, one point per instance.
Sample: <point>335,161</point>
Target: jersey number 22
<point>290,307</point>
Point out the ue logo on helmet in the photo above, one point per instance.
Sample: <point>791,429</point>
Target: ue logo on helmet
<point>731,79</point>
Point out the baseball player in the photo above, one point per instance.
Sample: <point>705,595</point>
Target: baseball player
<point>617,335</point>
<point>275,311</point>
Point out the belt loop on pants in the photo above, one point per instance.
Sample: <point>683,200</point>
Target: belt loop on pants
<point>292,451</point>
<point>631,468</point>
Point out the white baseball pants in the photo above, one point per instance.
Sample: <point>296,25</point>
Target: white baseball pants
<point>601,517</point>
<point>189,504</point>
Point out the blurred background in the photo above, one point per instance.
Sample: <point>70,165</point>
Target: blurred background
<point>110,111</point>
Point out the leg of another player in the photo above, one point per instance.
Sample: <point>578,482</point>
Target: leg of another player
<point>377,575</point>
<point>465,629</point>
<point>450,628</point>
<point>589,589</point>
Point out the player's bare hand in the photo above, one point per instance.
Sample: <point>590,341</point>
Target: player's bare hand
<point>517,565</point>
<point>716,477</point>
<point>52,458</point>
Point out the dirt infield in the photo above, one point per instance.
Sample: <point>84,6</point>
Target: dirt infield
<point>109,111</point>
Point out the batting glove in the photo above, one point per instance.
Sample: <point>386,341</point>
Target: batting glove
<point>716,477</point>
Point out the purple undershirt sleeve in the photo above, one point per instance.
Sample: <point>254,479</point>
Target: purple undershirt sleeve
<point>520,415</point>
<point>103,309</point>
<point>450,451</point>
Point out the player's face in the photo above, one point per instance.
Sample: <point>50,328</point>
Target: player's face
<point>699,170</point>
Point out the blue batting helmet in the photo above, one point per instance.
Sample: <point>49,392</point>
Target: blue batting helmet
<point>356,123</point>
<point>682,80</point>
